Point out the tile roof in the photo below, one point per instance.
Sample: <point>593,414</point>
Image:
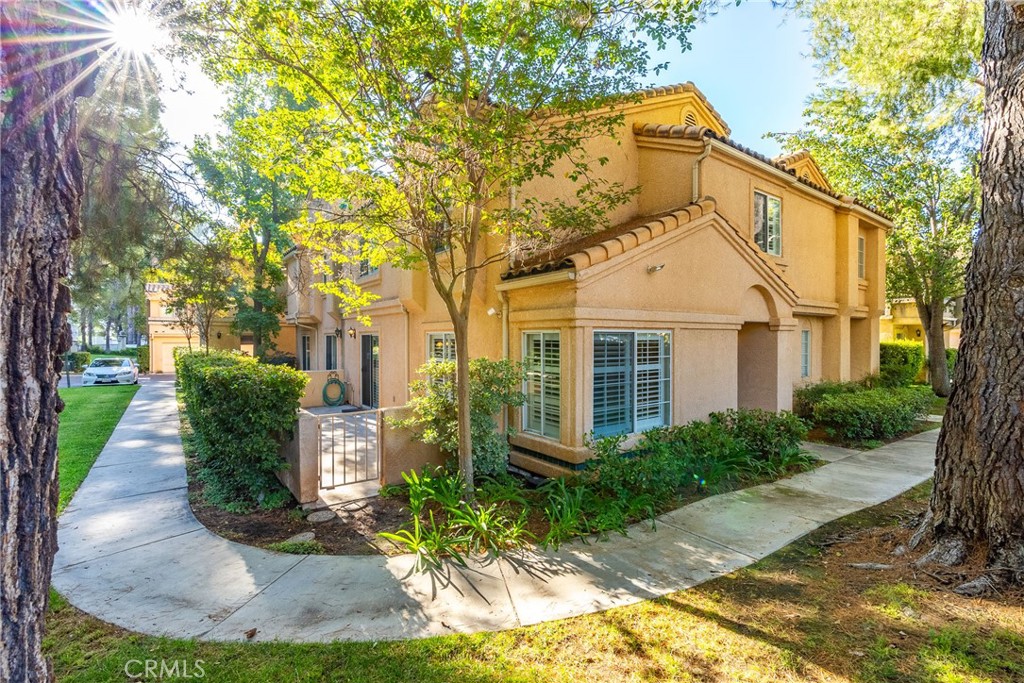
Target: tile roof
<point>687,87</point>
<point>658,130</point>
<point>158,287</point>
<point>602,246</point>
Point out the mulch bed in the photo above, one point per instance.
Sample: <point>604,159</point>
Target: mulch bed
<point>353,532</point>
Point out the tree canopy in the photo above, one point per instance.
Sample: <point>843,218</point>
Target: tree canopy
<point>420,119</point>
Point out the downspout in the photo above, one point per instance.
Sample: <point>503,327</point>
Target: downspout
<point>695,188</point>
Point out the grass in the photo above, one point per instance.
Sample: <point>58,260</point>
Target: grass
<point>798,615</point>
<point>298,547</point>
<point>89,417</point>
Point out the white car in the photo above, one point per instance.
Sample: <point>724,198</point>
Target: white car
<point>111,371</point>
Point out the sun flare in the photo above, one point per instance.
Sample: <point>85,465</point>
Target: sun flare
<point>135,31</point>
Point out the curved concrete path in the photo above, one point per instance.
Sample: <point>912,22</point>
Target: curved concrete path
<point>131,552</point>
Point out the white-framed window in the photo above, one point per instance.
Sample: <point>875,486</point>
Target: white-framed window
<point>861,263</point>
<point>305,352</point>
<point>768,223</point>
<point>330,352</point>
<point>805,353</point>
<point>441,346</point>
<point>632,381</point>
<point>542,355</point>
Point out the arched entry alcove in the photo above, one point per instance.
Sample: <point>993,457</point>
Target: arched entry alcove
<point>757,358</point>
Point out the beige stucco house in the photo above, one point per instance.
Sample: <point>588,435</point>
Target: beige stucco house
<point>165,332</point>
<point>727,280</point>
<point>901,320</point>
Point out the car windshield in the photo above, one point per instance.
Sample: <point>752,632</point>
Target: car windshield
<point>108,363</point>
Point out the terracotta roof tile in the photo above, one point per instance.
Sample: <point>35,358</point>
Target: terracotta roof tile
<point>655,130</point>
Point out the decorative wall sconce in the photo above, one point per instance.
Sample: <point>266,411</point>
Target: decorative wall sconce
<point>655,269</point>
<point>218,335</point>
<point>352,332</point>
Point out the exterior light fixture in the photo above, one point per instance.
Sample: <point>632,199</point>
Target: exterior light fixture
<point>338,332</point>
<point>655,269</point>
<point>352,332</point>
<point>218,335</point>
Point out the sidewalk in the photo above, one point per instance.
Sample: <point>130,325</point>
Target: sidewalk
<point>131,552</point>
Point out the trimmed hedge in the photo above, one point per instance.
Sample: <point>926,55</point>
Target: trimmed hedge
<point>78,360</point>
<point>900,362</point>
<point>807,397</point>
<point>143,360</point>
<point>873,414</point>
<point>769,436</point>
<point>238,408</point>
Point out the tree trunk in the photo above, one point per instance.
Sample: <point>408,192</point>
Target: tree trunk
<point>88,331</point>
<point>461,325</point>
<point>978,497</point>
<point>932,317</point>
<point>106,336</point>
<point>40,191</point>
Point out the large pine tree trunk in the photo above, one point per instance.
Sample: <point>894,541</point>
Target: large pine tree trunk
<point>40,188</point>
<point>979,476</point>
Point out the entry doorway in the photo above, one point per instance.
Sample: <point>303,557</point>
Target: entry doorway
<point>370,370</point>
<point>757,367</point>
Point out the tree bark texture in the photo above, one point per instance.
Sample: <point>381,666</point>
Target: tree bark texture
<point>979,477</point>
<point>40,189</point>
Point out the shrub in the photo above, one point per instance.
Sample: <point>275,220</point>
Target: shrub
<point>78,360</point>
<point>873,414</point>
<point>951,355</point>
<point>239,408</point>
<point>279,358</point>
<point>143,358</point>
<point>299,547</point>
<point>768,436</point>
<point>806,397</point>
<point>492,384</point>
<point>900,362</point>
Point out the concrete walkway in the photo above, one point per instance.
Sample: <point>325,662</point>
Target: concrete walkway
<point>132,554</point>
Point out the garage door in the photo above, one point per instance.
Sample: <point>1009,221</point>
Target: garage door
<point>167,357</point>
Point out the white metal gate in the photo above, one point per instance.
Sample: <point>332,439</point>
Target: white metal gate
<point>349,448</point>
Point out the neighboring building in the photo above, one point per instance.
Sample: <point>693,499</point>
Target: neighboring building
<point>165,333</point>
<point>901,321</point>
<point>687,306</point>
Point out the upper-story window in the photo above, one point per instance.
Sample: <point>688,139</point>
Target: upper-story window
<point>768,223</point>
<point>441,346</point>
<point>861,265</point>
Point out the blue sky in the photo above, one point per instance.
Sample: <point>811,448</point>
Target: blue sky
<point>752,63</point>
<point>749,60</point>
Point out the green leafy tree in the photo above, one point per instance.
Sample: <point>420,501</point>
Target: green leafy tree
<point>897,125</point>
<point>422,118</point>
<point>493,385</point>
<point>129,204</point>
<point>257,204</point>
<point>201,278</point>
<point>978,499</point>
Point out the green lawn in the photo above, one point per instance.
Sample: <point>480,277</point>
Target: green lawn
<point>89,417</point>
<point>800,615</point>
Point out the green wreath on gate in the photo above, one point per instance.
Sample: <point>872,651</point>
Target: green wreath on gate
<point>333,381</point>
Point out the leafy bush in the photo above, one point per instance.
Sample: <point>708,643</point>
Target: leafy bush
<point>78,360</point>
<point>279,358</point>
<point>143,358</point>
<point>900,362</point>
<point>492,384</point>
<point>238,408</point>
<point>768,436</point>
<point>951,355</point>
<point>806,397</point>
<point>121,353</point>
<point>873,414</point>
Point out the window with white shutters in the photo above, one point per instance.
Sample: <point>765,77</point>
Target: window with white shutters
<point>542,356</point>
<point>441,346</point>
<point>632,381</point>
